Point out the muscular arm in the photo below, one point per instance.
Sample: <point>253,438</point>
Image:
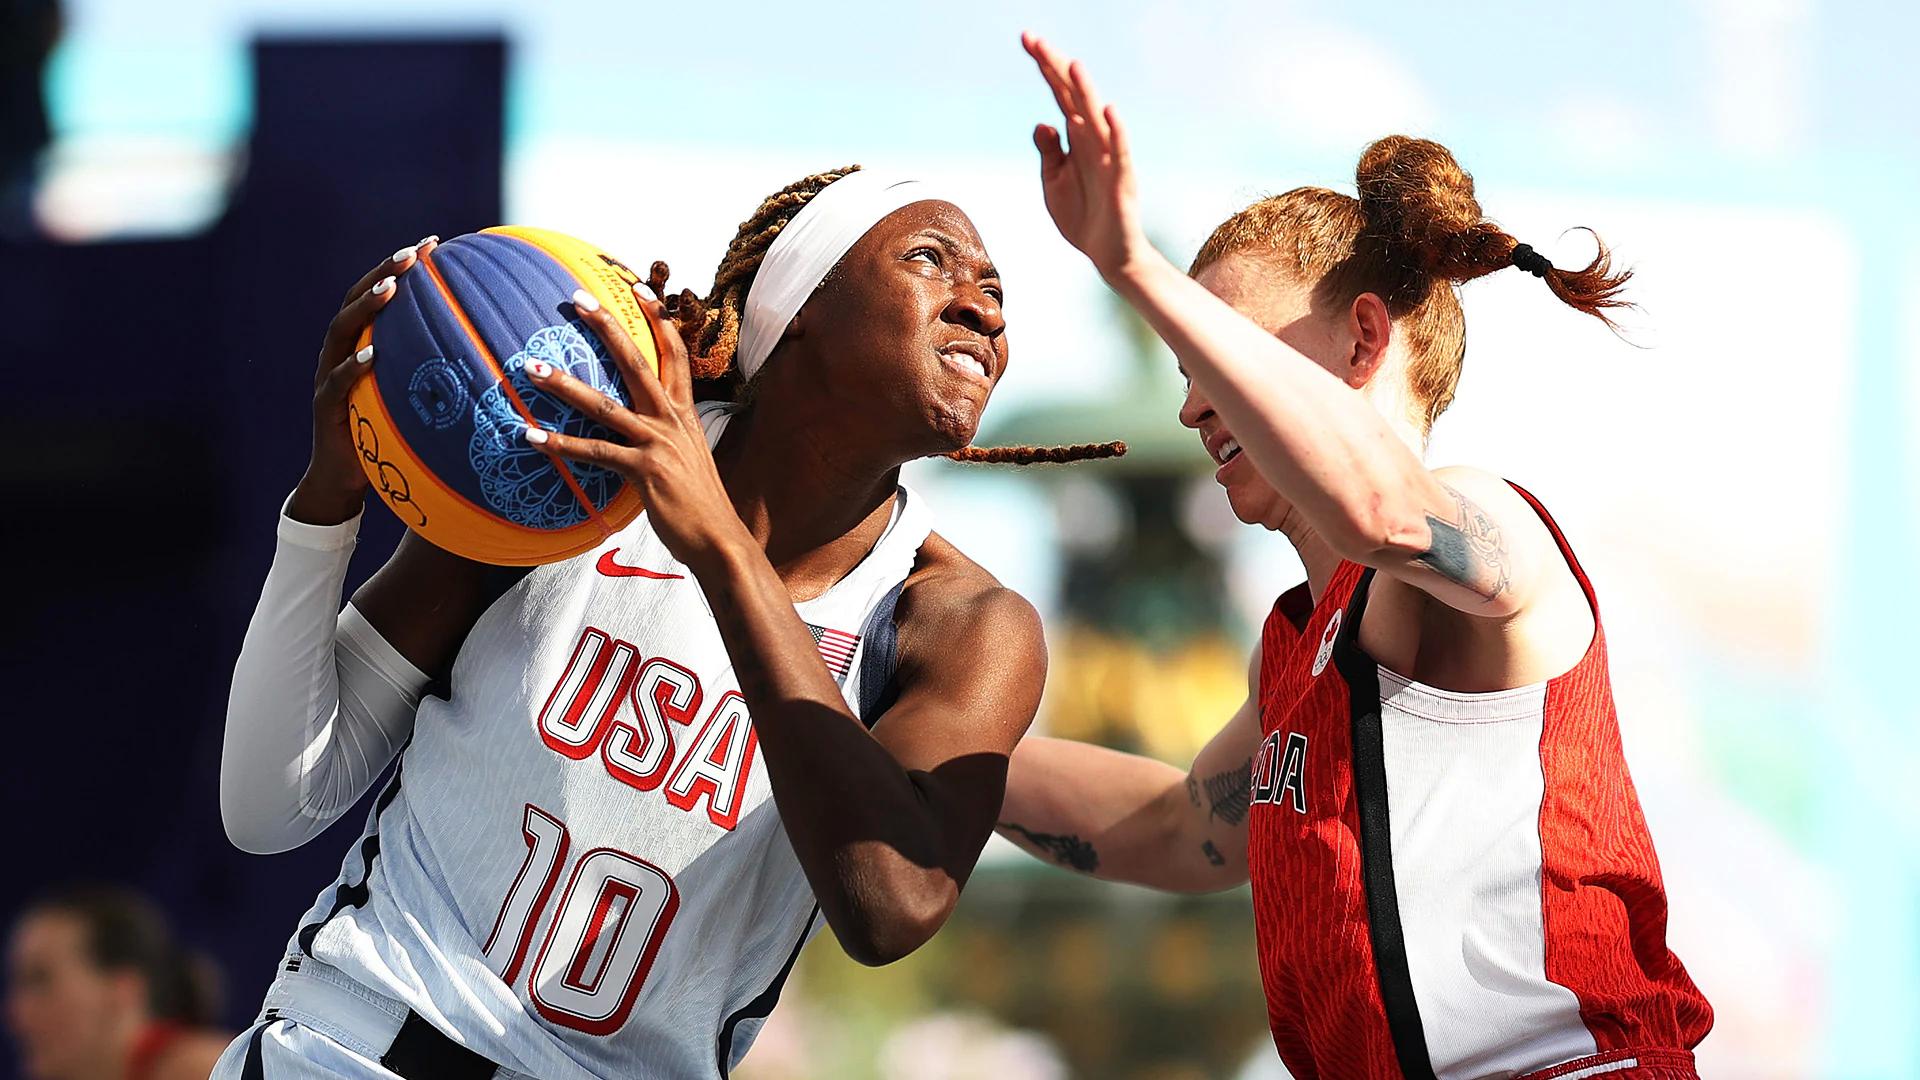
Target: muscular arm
<point>1122,817</point>
<point>887,823</point>
<point>1462,537</point>
<point>1471,547</point>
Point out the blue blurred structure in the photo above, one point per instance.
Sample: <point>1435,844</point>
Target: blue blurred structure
<point>156,423</point>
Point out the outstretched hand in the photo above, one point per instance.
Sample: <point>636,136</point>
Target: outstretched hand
<point>662,448</point>
<point>1089,184</point>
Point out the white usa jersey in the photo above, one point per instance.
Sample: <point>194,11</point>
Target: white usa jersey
<point>578,869</point>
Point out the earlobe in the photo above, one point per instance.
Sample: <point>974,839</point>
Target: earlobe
<point>1371,328</point>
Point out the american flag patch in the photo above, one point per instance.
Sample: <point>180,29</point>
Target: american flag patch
<point>836,648</point>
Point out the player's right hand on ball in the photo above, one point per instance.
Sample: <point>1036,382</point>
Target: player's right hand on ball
<point>335,486</point>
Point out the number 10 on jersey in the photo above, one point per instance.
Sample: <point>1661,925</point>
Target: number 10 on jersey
<point>605,932</point>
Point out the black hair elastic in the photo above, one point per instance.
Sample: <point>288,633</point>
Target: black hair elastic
<point>1530,260</point>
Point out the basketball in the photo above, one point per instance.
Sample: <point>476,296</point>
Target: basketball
<point>439,423</point>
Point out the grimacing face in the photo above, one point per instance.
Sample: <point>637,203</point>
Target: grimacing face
<point>1283,307</point>
<point>63,1011</point>
<point>911,317</point>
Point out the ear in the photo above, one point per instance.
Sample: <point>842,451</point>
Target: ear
<point>1371,327</point>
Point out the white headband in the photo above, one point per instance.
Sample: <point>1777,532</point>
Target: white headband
<point>809,247</point>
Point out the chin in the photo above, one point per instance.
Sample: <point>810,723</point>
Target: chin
<point>955,423</point>
<point>1253,507</point>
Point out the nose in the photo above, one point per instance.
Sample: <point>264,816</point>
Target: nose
<point>1194,409</point>
<point>974,308</point>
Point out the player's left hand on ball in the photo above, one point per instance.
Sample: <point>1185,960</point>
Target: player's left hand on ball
<point>663,448</point>
<point>1088,185</point>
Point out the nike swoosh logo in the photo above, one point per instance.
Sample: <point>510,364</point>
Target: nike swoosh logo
<point>607,566</point>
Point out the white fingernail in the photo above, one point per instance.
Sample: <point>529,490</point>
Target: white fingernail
<point>539,369</point>
<point>363,355</point>
<point>403,254</point>
<point>384,286</point>
<point>645,291</point>
<point>536,436</point>
<point>585,300</point>
<point>430,238</point>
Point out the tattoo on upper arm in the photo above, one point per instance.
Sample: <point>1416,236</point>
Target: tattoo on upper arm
<point>1068,850</point>
<point>1213,854</point>
<point>1229,793</point>
<point>1470,551</point>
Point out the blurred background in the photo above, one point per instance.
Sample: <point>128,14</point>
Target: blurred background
<point>193,184</point>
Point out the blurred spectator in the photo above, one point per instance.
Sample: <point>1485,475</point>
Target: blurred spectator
<point>97,989</point>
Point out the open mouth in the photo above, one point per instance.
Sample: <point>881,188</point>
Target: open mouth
<point>967,358</point>
<point>1226,452</point>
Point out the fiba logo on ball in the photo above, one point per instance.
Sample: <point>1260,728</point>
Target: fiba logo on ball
<point>1326,643</point>
<point>438,394</point>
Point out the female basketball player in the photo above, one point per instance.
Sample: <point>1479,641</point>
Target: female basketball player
<point>1451,875</point>
<point>600,853</point>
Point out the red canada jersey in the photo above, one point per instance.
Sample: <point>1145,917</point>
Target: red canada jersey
<point>1454,885</point>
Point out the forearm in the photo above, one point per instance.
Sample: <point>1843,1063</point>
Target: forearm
<point>319,703</point>
<point>1119,817</point>
<point>1320,444</point>
<point>861,824</point>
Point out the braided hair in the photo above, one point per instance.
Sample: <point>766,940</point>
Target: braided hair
<point>711,326</point>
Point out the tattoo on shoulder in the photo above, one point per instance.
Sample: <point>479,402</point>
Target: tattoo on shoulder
<point>1229,793</point>
<point>1469,551</point>
<point>1213,854</point>
<point>1067,850</point>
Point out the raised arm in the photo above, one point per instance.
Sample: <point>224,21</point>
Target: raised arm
<point>323,698</point>
<point>1122,817</point>
<point>1464,538</point>
<point>888,822</point>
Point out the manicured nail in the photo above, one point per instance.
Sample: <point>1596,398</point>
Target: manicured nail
<point>536,436</point>
<point>403,254</point>
<point>430,238</point>
<point>364,355</point>
<point>585,300</point>
<point>383,287</point>
<point>644,291</point>
<point>539,369</point>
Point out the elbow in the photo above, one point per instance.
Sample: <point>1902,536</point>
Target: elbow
<point>252,830</point>
<point>249,837</point>
<point>1379,530</point>
<point>879,934</point>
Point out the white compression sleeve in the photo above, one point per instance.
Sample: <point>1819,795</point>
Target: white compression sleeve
<point>320,702</point>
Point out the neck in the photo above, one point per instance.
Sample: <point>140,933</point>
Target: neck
<point>1319,558</point>
<point>808,498</point>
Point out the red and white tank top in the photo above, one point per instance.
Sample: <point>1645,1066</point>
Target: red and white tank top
<point>1454,885</point>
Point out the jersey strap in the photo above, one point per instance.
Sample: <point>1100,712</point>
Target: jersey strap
<point>1362,676</point>
<point>881,658</point>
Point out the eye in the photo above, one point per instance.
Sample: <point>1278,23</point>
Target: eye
<point>999,295</point>
<point>932,255</point>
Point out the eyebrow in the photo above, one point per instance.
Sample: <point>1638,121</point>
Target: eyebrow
<point>953,248</point>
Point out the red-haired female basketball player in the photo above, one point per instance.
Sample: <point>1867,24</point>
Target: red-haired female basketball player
<point>656,763</point>
<point>1451,875</point>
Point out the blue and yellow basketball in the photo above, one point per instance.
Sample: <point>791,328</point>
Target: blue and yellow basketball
<point>439,421</point>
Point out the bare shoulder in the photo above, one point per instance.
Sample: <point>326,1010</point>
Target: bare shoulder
<point>1491,494</point>
<point>1525,617</point>
<point>950,599</point>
